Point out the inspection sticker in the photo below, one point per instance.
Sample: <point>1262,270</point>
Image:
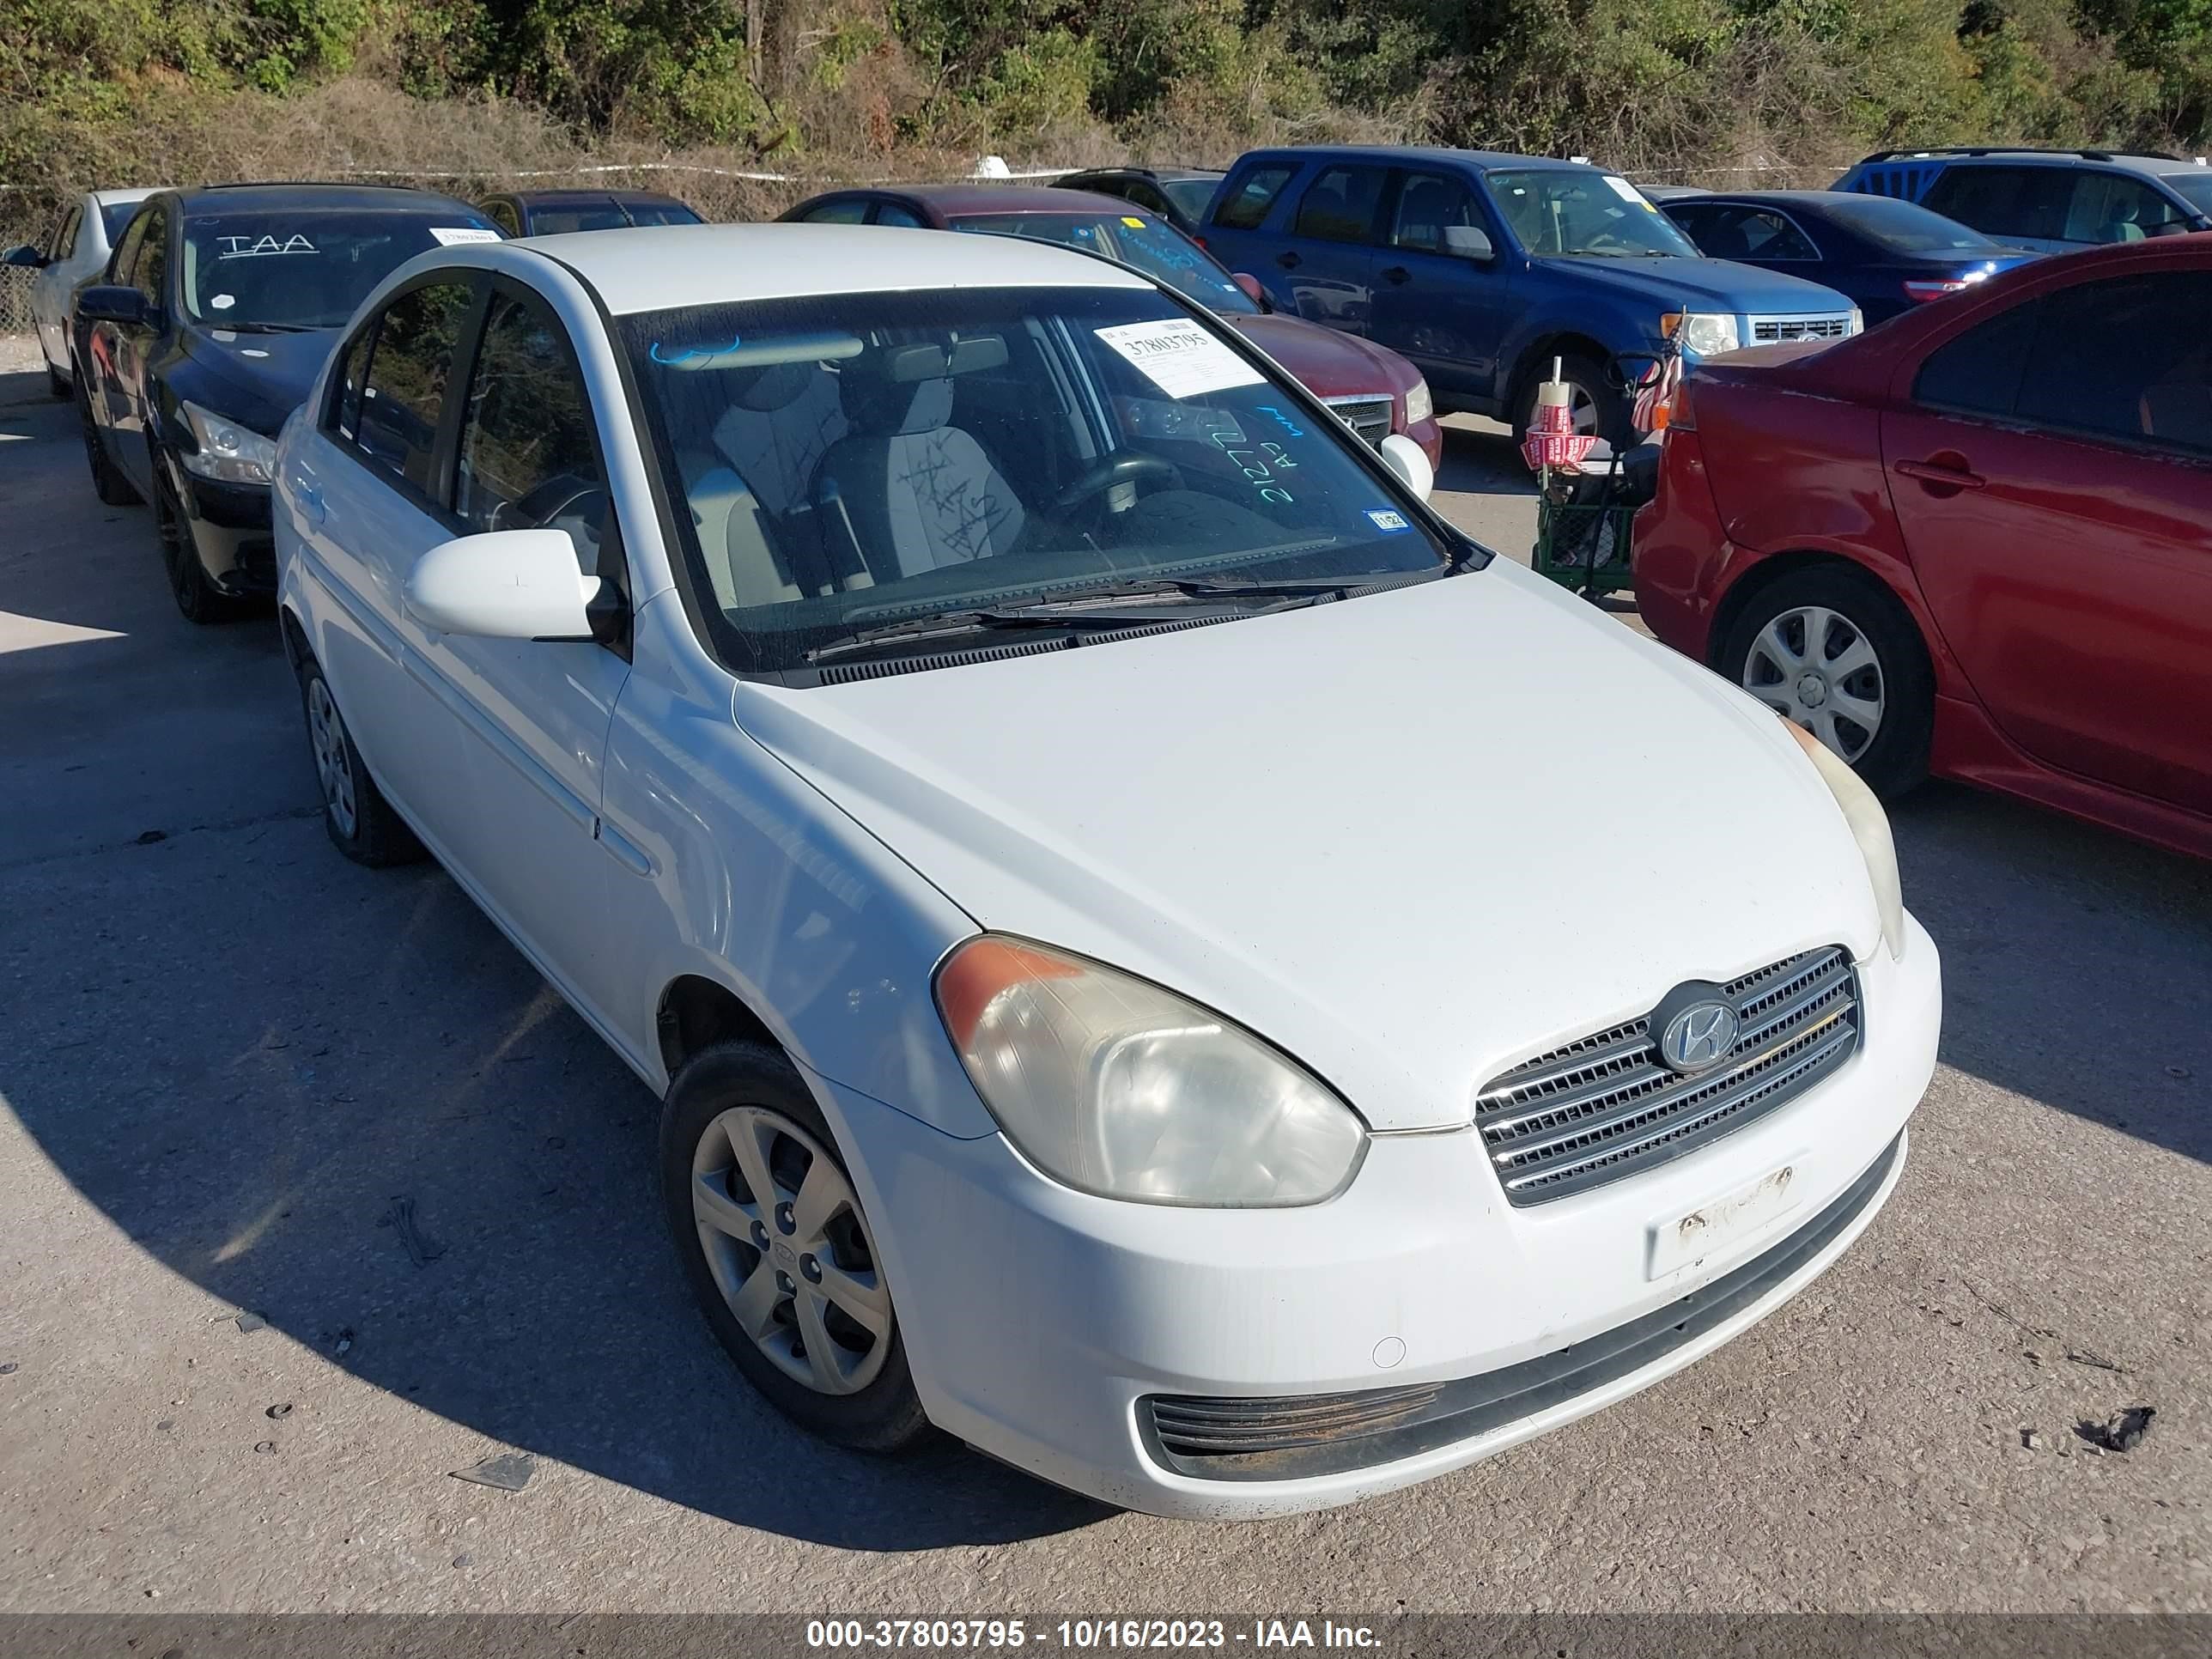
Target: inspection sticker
<point>1133,224</point>
<point>449,234</point>
<point>1382,520</point>
<point>1179,357</point>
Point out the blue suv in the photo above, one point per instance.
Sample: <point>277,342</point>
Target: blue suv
<point>1482,267</point>
<point>2051,200</point>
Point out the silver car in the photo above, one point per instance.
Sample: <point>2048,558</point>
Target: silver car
<point>79,246</point>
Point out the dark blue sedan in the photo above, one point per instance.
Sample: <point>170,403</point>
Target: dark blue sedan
<point>1887,255</point>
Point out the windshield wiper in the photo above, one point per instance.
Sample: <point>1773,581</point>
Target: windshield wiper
<point>1092,608</point>
<point>262,328</point>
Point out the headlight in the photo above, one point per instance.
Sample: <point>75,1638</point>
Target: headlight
<point>1418,404</point>
<point>1115,1086</point>
<point>1857,324</point>
<point>1706,333</point>
<point>227,451</point>
<point>1869,828</point>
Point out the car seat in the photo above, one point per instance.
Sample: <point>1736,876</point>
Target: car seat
<point>919,492</point>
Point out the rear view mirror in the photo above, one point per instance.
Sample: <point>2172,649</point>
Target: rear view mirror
<point>24,256</point>
<point>1250,284</point>
<point>1469,242</point>
<point>108,302</point>
<point>1404,457</point>
<point>503,584</point>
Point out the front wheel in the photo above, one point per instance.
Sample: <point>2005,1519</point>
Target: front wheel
<point>363,824</point>
<point>1832,649</point>
<point>197,599</point>
<point>779,1251</point>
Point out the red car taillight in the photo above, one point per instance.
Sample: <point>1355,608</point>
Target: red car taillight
<point>1680,418</point>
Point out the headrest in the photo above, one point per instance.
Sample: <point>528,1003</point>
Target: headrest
<point>777,387</point>
<point>884,409</point>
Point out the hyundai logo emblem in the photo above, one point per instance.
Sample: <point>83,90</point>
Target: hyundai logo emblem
<point>1697,1028</point>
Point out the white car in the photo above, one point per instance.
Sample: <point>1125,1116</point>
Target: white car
<point>1163,960</point>
<point>78,248</point>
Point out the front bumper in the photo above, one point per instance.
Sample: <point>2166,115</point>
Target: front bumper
<point>1041,1322</point>
<point>229,525</point>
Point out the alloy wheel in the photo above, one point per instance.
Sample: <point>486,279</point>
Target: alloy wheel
<point>1817,667</point>
<point>333,759</point>
<point>790,1251</point>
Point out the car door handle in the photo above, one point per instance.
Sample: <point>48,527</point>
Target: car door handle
<point>1397,274</point>
<point>1288,261</point>
<point>1943,474</point>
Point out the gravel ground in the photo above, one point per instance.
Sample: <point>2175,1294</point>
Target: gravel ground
<point>241,1077</point>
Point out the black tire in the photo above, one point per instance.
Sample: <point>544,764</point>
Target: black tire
<point>197,599</point>
<point>1896,756</point>
<point>56,387</point>
<point>1616,407</point>
<point>107,480</point>
<point>367,831</point>
<point>885,1416</point>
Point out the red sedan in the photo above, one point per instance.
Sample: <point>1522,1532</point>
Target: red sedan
<point>1373,390</point>
<point>1976,542</point>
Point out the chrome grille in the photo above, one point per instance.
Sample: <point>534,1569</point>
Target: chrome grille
<point>1768,329</point>
<point>1607,1106</point>
<point>1368,416</point>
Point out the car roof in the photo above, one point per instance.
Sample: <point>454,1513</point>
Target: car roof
<point>1802,199</point>
<point>315,198</point>
<point>2026,157</point>
<point>1165,175</point>
<point>1416,155</point>
<point>586,197</point>
<point>968,201</point>
<point>124,198</point>
<point>661,267</point>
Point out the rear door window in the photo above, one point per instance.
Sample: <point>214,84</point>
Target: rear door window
<point>2127,358</point>
<point>1998,200</point>
<point>1246,207</point>
<point>891,213</point>
<point>404,398</point>
<point>1339,206</point>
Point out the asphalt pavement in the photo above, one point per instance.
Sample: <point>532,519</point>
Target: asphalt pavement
<point>312,1193</point>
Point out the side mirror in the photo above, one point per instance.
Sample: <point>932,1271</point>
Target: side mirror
<point>110,302</point>
<point>1250,284</point>
<point>24,256</point>
<point>1404,457</point>
<point>1469,242</point>
<point>503,584</point>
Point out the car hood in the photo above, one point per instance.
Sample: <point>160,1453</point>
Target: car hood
<point>1701,285</point>
<point>1411,839</point>
<point>1327,361</point>
<point>259,379</point>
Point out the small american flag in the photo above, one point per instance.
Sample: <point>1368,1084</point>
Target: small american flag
<point>1656,392</point>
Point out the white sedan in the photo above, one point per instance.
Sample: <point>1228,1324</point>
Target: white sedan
<point>1163,959</point>
<point>82,238</point>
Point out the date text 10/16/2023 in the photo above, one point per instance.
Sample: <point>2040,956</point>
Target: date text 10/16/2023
<point>1084,1634</point>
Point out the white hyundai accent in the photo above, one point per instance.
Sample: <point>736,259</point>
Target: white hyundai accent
<point>1164,960</point>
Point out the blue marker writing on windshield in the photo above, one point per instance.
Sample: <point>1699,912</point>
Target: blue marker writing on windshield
<point>1283,420</point>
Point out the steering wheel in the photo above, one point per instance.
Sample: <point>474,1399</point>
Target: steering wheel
<point>1123,468</point>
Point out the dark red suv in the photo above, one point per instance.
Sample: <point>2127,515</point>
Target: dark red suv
<point>1976,542</point>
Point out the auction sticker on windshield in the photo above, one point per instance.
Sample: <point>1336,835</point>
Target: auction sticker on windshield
<point>447,235</point>
<point>1179,357</point>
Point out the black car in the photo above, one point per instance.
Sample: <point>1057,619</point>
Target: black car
<point>205,331</point>
<point>550,212</point>
<point>1178,195</point>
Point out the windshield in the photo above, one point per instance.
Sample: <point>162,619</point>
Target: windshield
<point>1191,196</point>
<point>850,462</point>
<point>1554,212</point>
<point>1904,226</point>
<point>608,216</point>
<point>115,218</point>
<point>307,270</point>
<point>1134,238</point>
<point>2194,188</point>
